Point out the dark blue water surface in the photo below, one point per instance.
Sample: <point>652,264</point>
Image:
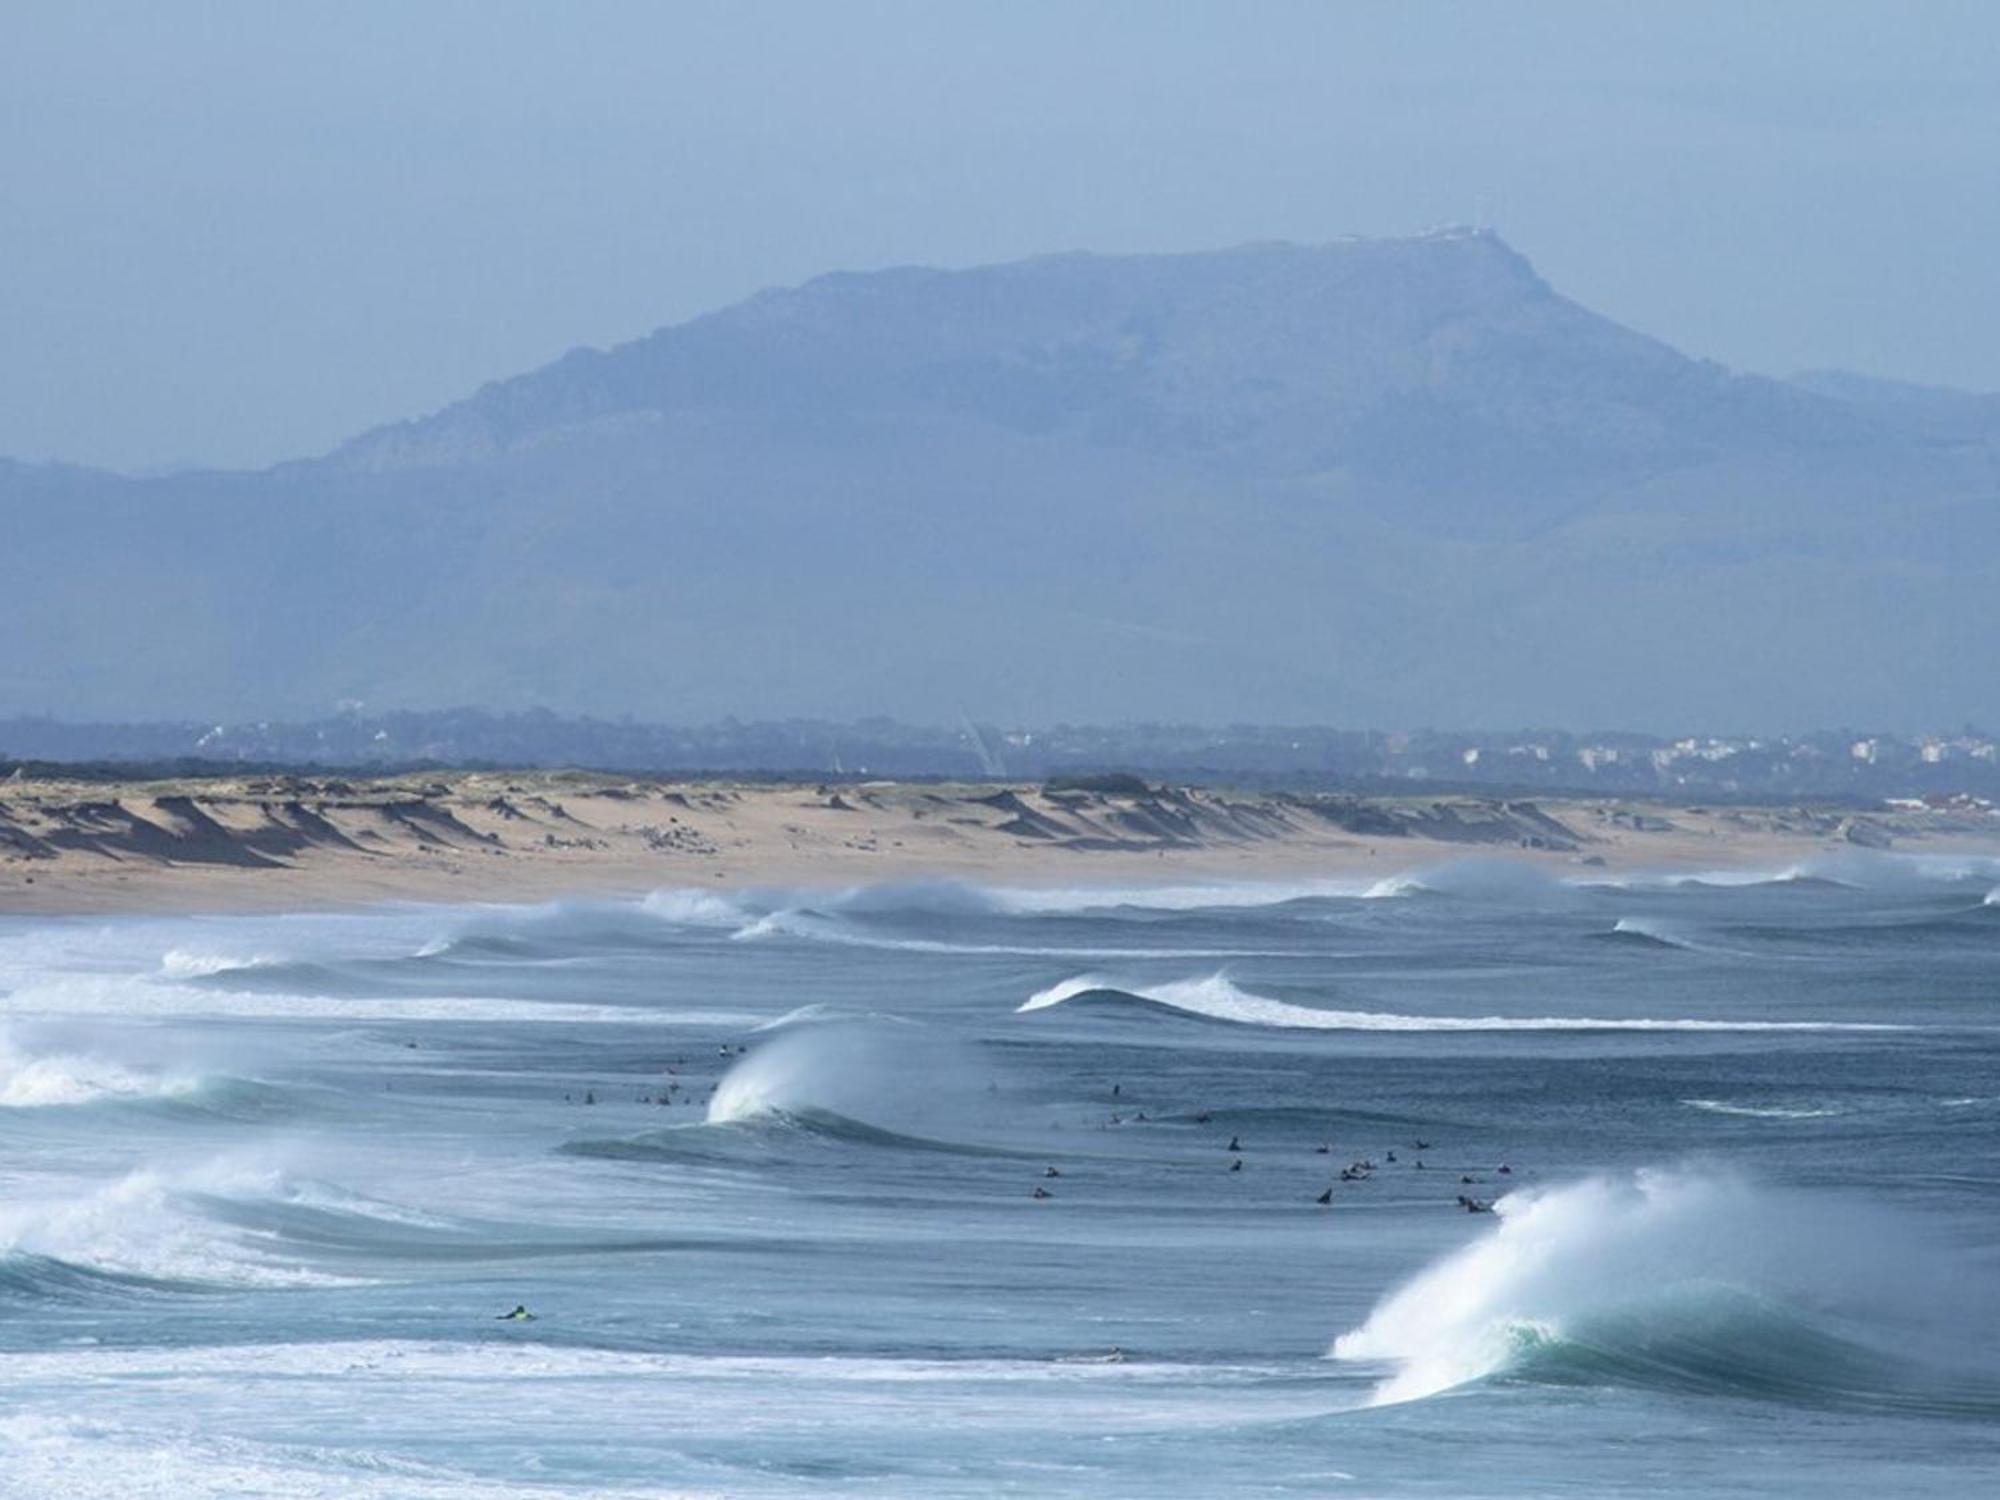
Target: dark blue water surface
<point>765,1167</point>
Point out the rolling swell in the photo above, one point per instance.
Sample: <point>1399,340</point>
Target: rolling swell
<point>30,1278</point>
<point>1216,998</point>
<point>1722,1341</point>
<point>757,1135</point>
<point>152,1230</point>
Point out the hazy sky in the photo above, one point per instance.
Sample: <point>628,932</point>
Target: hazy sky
<point>239,232</point>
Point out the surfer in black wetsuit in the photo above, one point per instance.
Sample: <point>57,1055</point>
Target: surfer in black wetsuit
<point>520,1314</point>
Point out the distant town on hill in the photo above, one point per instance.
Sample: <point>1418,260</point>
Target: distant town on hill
<point>1960,770</point>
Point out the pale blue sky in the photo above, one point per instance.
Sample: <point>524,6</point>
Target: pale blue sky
<point>240,232</point>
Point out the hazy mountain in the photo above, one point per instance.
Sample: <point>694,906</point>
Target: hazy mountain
<point>1384,482</point>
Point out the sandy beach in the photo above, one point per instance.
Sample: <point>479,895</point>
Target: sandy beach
<point>295,842</point>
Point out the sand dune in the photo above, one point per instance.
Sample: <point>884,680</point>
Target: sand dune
<point>298,841</point>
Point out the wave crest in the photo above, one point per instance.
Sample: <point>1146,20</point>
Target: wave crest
<point>31,1080</point>
<point>1218,998</point>
<point>1676,1279</point>
<point>149,1228</point>
<point>1495,880</point>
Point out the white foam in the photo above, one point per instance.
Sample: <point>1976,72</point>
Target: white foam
<point>885,1072</point>
<point>1653,928</point>
<point>80,1458</point>
<point>1561,1259</point>
<point>821,1013</point>
<point>1219,998</point>
<point>111,995</point>
<point>1230,895</point>
<point>1857,869</point>
<point>511,1361</point>
<point>185,963</point>
<point>817,927</point>
<point>695,908</point>
<point>143,1225</point>
<point>31,1081</point>
<point>1478,879</point>
<point>1759,1111</point>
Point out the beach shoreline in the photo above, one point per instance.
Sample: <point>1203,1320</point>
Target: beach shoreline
<point>266,843</point>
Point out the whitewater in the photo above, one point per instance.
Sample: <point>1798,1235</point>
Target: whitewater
<point>1467,1181</point>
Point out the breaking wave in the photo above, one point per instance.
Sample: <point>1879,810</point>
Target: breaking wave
<point>1497,880</point>
<point>857,1080</point>
<point>1677,1280</point>
<point>1650,930</point>
<point>852,1066</point>
<point>1654,932</point>
<point>149,1228</point>
<point>186,963</point>
<point>1218,998</point>
<point>815,926</point>
<point>31,1080</point>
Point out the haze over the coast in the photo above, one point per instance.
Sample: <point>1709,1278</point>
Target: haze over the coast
<point>869,749</point>
<point>1367,482</point>
<point>1100,466</point>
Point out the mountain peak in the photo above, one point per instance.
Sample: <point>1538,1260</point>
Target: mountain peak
<point>1250,344</point>
<point>1388,480</point>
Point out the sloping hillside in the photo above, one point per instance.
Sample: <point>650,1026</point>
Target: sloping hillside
<point>1391,482</point>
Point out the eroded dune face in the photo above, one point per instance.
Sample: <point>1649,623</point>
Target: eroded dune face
<point>269,841</point>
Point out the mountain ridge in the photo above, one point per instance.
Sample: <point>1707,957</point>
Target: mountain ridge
<point>1095,331</point>
<point>1372,481</point>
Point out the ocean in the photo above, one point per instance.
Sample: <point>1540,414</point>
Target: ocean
<point>1473,1182</point>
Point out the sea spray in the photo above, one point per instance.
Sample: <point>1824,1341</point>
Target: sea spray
<point>1498,881</point>
<point>1689,1278</point>
<point>153,1224</point>
<point>40,1068</point>
<point>882,1071</point>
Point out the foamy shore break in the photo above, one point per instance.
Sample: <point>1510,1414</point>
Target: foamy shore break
<point>274,842</point>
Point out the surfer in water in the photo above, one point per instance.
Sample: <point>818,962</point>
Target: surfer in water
<point>520,1314</point>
